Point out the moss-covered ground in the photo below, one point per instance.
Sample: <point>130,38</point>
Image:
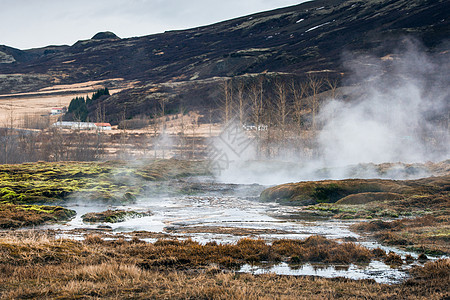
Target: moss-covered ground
<point>422,207</point>
<point>48,183</point>
<point>20,215</point>
<point>113,216</point>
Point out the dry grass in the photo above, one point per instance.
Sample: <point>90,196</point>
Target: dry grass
<point>14,216</point>
<point>34,265</point>
<point>439,269</point>
<point>428,234</point>
<point>175,254</point>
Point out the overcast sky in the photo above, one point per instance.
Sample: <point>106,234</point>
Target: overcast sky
<point>28,24</point>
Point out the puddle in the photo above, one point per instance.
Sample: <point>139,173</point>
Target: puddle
<point>376,270</point>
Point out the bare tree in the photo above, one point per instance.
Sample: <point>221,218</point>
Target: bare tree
<point>298,94</point>
<point>256,101</point>
<point>282,109</point>
<point>162,103</point>
<point>315,84</point>
<point>100,113</point>
<point>182,132</point>
<point>227,99</point>
<point>194,122</point>
<point>8,139</point>
<point>241,101</point>
<point>257,107</point>
<point>123,134</point>
<point>332,84</point>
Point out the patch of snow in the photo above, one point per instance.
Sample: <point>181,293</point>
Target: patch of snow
<point>315,27</point>
<point>301,20</point>
<point>320,8</point>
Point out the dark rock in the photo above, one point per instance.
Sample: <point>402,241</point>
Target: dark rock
<point>105,35</point>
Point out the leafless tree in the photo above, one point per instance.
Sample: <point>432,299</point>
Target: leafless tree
<point>257,107</point>
<point>282,108</point>
<point>227,87</point>
<point>332,84</point>
<point>315,84</point>
<point>193,125</point>
<point>298,92</point>
<point>241,101</point>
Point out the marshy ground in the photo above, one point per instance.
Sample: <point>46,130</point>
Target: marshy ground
<point>166,229</point>
<point>39,266</point>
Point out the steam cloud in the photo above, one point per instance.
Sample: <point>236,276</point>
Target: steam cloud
<point>397,117</point>
<point>398,112</point>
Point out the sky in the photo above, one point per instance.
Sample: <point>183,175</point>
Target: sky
<point>26,24</point>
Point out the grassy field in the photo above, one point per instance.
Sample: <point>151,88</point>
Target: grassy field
<point>34,265</point>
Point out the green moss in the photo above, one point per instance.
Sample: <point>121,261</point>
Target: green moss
<point>113,216</point>
<point>44,182</point>
<point>328,193</point>
<point>37,208</point>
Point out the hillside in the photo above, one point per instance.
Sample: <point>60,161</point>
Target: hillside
<point>308,37</point>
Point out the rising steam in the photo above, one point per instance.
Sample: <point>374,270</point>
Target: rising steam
<point>398,111</point>
<point>401,116</point>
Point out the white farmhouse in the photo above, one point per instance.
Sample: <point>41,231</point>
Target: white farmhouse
<point>75,125</point>
<point>58,110</point>
<point>103,126</point>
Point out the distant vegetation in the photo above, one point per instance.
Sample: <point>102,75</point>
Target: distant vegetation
<point>79,106</point>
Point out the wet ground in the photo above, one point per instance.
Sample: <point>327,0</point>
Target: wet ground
<point>226,213</point>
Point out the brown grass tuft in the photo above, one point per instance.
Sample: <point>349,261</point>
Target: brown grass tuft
<point>36,266</point>
<point>439,269</point>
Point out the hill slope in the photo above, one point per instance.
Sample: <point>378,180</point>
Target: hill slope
<point>309,36</point>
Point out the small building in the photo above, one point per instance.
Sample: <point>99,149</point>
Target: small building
<point>251,127</point>
<point>75,125</point>
<point>58,110</point>
<point>103,126</point>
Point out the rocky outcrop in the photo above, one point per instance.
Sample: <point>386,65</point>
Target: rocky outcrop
<point>105,35</point>
<point>6,58</point>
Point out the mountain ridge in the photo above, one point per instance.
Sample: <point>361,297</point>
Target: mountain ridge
<point>296,40</point>
<point>299,38</point>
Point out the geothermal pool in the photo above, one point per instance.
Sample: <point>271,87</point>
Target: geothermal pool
<point>226,213</point>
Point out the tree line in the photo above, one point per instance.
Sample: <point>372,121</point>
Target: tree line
<point>79,106</point>
<point>281,110</point>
